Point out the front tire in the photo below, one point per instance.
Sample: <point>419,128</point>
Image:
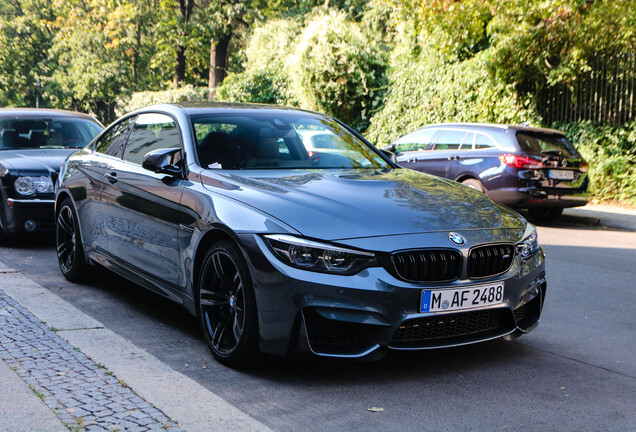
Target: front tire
<point>226,306</point>
<point>68,241</point>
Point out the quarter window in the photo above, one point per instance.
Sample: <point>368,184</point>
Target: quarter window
<point>112,142</point>
<point>151,132</point>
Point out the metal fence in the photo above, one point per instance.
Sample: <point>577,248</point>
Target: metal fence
<point>606,94</point>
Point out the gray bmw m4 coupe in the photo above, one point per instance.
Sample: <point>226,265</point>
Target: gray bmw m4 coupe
<point>287,248</point>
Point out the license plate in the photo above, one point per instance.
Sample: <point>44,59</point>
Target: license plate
<point>561,174</point>
<point>458,299</point>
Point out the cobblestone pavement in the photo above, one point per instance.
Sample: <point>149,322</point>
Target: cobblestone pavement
<point>84,395</point>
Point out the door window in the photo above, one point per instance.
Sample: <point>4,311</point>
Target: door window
<point>112,142</point>
<point>483,142</point>
<point>151,132</point>
<point>416,141</point>
<point>449,140</point>
<point>467,144</point>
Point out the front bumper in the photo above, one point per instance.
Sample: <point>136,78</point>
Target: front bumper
<point>354,316</point>
<point>14,214</point>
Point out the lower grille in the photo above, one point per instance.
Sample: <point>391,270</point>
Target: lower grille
<point>334,337</point>
<point>490,260</point>
<point>521,312</point>
<point>452,328</point>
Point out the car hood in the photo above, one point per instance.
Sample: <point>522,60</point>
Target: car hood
<point>29,161</point>
<point>338,205</point>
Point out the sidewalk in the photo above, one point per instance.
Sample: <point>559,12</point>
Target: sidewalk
<point>62,370</point>
<point>606,216</point>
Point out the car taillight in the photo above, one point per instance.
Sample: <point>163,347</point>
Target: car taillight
<point>516,161</point>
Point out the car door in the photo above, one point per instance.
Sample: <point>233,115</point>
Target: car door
<point>87,194</point>
<point>461,160</point>
<point>412,149</point>
<point>444,153</point>
<point>141,208</point>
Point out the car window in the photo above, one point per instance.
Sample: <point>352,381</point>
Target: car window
<point>150,132</point>
<point>483,142</point>
<point>290,141</point>
<point>449,140</point>
<point>113,141</point>
<point>415,141</point>
<point>467,143</point>
<point>539,142</point>
<point>47,132</point>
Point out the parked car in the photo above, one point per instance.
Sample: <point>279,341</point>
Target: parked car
<point>223,210</point>
<point>33,145</point>
<point>521,167</point>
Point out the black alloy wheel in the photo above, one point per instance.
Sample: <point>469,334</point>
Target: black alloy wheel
<point>70,252</point>
<point>545,214</point>
<point>226,305</point>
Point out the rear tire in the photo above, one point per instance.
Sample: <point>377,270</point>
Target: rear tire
<point>546,214</point>
<point>475,184</point>
<point>226,306</point>
<point>68,241</point>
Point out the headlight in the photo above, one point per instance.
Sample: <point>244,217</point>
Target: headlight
<point>320,257</point>
<point>31,185</point>
<point>530,243</point>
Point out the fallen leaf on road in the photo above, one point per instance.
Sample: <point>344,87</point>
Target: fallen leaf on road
<point>375,409</point>
<point>60,373</point>
<point>70,410</point>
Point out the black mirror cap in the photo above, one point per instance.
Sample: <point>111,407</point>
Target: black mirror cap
<point>389,154</point>
<point>158,161</point>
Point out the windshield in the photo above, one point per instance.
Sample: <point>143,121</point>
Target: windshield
<point>279,141</point>
<point>537,143</point>
<point>46,132</point>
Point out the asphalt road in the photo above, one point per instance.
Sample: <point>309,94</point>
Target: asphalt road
<point>575,372</point>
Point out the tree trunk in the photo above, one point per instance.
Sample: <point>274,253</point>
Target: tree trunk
<point>180,68</point>
<point>185,11</point>
<point>218,61</point>
<point>135,58</point>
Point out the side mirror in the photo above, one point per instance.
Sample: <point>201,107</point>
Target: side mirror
<point>159,161</point>
<point>388,153</point>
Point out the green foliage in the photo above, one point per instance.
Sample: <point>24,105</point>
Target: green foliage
<point>425,89</point>
<point>338,69</point>
<point>142,99</point>
<point>263,85</point>
<point>611,153</point>
<point>271,42</point>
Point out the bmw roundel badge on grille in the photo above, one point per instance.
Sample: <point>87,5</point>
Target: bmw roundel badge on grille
<point>457,239</point>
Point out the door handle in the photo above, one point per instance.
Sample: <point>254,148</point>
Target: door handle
<point>112,177</point>
<point>453,157</point>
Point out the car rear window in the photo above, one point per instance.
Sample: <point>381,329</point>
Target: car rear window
<point>537,143</point>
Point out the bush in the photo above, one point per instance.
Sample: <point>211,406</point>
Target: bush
<point>142,99</point>
<point>264,85</point>
<point>425,88</point>
<point>611,154</point>
<point>338,69</point>
<point>271,43</point>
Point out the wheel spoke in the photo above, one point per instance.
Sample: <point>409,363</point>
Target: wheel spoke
<point>220,271</point>
<point>237,331</point>
<point>220,330</point>
<point>64,248</point>
<point>65,224</point>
